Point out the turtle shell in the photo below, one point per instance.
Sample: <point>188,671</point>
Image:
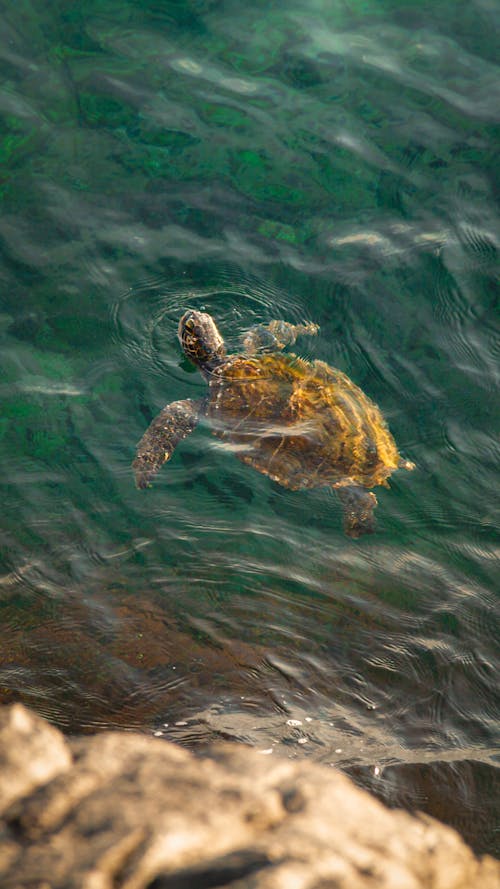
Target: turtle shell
<point>303,424</point>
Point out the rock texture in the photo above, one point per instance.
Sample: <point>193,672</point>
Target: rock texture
<point>124,811</point>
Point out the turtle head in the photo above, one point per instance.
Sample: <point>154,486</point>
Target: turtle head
<point>200,339</point>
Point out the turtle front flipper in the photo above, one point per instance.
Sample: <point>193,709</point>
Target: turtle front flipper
<point>275,336</point>
<point>358,505</point>
<point>162,436</point>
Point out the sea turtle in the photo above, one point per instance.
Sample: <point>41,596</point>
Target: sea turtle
<point>304,424</point>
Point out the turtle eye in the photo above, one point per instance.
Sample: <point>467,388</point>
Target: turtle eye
<point>189,324</point>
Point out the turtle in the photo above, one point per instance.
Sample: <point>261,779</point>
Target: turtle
<point>302,423</point>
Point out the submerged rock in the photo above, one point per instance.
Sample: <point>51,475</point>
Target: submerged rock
<point>127,811</point>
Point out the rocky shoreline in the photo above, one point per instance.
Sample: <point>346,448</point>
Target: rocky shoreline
<point>124,811</point>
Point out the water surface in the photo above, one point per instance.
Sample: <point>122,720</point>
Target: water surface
<point>333,162</point>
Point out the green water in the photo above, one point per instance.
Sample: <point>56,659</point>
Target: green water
<point>329,161</point>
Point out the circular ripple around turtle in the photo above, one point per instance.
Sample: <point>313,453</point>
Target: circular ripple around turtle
<point>145,318</point>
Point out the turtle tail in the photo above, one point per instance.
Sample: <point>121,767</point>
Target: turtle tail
<point>406,464</point>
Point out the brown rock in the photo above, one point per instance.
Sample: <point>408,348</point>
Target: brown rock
<point>133,812</point>
<point>31,753</point>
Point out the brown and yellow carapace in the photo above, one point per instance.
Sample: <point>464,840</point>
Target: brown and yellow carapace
<point>304,424</point>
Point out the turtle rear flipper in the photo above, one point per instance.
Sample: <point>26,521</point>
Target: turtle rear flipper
<point>358,505</point>
<point>162,436</point>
